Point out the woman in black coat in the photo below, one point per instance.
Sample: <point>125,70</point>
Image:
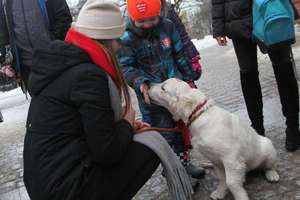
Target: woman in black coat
<point>79,144</point>
<point>233,19</point>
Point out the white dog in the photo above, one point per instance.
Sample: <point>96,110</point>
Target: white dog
<point>231,145</point>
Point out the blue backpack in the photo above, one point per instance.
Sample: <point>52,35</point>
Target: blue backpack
<point>273,23</point>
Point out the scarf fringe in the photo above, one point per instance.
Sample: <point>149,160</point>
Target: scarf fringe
<point>179,184</point>
<point>178,181</point>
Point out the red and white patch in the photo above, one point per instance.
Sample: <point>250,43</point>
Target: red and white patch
<point>166,42</point>
<point>142,7</point>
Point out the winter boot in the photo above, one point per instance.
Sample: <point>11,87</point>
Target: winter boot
<point>194,182</point>
<point>253,98</point>
<point>292,142</point>
<point>192,170</point>
<point>289,97</point>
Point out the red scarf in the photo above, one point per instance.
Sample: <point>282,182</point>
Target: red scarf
<point>95,52</point>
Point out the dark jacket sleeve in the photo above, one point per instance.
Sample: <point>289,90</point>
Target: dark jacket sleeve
<point>60,18</point>
<point>134,76</point>
<point>218,18</point>
<point>107,140</point>
<point>4,37</point>
<point>178,51</point>
<point>188,45</point>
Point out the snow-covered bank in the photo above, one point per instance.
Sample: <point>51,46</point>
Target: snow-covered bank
<point>14,107</point>
<point>206,42</point>
<point>12,98</point>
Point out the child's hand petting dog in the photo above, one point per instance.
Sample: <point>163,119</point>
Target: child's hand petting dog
<point>138,125</point>
<point>144,88</point>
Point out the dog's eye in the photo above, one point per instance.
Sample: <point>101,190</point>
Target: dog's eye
<point>163,87</point>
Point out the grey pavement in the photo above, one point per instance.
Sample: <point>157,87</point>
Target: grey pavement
<point>220,81</point>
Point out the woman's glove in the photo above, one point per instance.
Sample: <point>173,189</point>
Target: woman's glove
<point>197,66</point>
<point>8,71</point>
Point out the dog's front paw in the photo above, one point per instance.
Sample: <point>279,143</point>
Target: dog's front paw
<point>272,175</point>
<point>215,195</point>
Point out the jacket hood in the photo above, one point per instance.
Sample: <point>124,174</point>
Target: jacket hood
<point>50,63</point>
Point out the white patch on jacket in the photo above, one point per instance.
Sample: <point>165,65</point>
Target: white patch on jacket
<point>232,146</point>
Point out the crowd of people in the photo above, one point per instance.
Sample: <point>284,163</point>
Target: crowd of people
<point>79,135</point>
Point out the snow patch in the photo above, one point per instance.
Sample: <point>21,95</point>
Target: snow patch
<point>13,105</point>
<point>72,3</point>
<point>206,42</point>
<point>10,93</point>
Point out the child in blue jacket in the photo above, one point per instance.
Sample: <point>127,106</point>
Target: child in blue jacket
<point>153,52</point>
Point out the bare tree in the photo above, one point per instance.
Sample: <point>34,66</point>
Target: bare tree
<point>180,5</point>
<point>177,7</point>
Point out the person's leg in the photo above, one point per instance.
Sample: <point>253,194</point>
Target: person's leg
<point>289,95</point>
<point>122,180</point>
<point>139,181</point>
<point>246,52</point>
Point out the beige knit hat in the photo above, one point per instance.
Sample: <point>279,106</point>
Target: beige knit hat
<point>100,19</point>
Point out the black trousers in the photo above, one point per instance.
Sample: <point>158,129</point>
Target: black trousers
<point>122,181</point>
<point>246,52</point>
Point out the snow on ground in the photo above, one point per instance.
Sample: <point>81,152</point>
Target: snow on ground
<point>10,93</point>
<point>72,3</point>
<point>14,107</point>
<point>206,42</point>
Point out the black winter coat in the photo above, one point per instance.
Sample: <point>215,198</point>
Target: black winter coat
<point>233,18</point>
<point>70,125</point>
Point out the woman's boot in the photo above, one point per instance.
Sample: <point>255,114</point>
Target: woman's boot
<point>289,97</point>
<point>253,98</point>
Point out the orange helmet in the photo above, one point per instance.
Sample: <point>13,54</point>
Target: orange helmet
<point>142,9</point>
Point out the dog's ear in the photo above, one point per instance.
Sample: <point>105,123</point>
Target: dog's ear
<point>187,98</point>
<point>186,103</point>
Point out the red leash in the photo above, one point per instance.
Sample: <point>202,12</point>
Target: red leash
<point>175,129</point>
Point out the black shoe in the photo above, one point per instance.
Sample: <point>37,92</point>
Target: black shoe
<point>1,118</point>
<point>195,172</point>
<point>292,141</point>
<point>194,182</point>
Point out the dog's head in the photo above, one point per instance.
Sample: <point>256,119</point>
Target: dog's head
<point>176,96</point>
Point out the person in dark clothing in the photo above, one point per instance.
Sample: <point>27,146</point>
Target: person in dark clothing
<point>193,56</point>
<point>233,19</point>
<point>79,143</point>
<point>24,25</point>
<point>152,52</point>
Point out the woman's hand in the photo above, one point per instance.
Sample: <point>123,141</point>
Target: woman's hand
<point>144,88</point>
<point>222,41</point>
<point>130,116</point>
<point>139,125</point>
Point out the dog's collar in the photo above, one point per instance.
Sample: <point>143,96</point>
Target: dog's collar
<point>195,114</point>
